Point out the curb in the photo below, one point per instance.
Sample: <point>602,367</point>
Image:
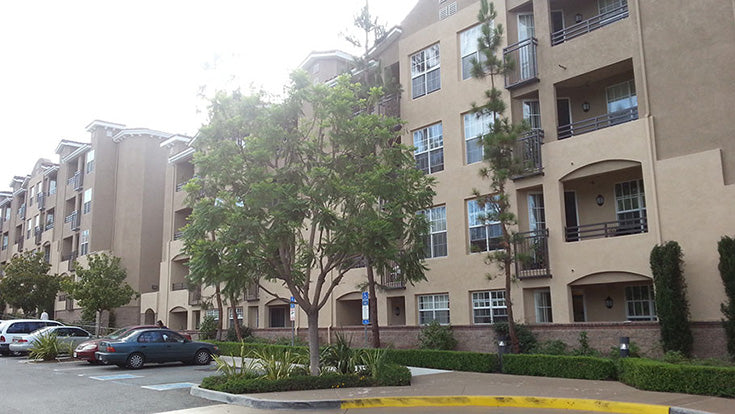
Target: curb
<point>445,401</point>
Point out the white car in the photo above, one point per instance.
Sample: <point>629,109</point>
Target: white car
<point>69,337</point>
<point>12,328</point>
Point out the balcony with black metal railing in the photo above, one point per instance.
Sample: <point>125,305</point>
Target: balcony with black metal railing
<point>528,153</point>
<point>76,181</point>
<point>532,254</point>
<point>392,280</point>
<point>69,258</point>
<point>599,122</point>
<point>73,220</point>
<point>615,228</point>
<point>589,25</point>
<point>195,295</point>
<point>522,57</point>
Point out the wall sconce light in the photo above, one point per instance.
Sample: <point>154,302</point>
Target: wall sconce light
<point>397,311</point>
<point>586,106</point>
<point>600,200</point>
<point>608,302</point>
<point>577,18</point>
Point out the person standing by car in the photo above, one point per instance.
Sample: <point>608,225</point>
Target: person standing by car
<point>44,316</point>
<point>161,325</point>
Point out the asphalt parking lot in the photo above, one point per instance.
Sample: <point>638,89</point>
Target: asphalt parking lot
<point>78,387</point>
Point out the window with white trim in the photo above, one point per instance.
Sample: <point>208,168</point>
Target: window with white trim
<point>90,161</point>
<point>29,226</point>
<point>436,241</point>
<point>238,311</point>
<point>7,213</point>
<point>542,306</point>
<point>52,187</point>
<point>214,313</point>
<point>489,307</point>
<point>486,233</point>
<point>469,50</point>
<point>429,152</point>
<point>536,213</point>
<point>5,241</point>
<point>425,73</point>
<point>434,308</point>
<point>607,6</point>
<point>532,114</point>
<point>84,243</point>
<point>621,96</point>
<point>640,303</point>
<point>87,201</point>
<point>475,126</point>
<point>630,206</point>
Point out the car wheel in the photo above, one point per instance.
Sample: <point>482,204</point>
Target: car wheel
<point>202,357</point>
<point>135,361</point>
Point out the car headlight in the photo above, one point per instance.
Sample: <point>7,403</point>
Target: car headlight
<point>87,347</point>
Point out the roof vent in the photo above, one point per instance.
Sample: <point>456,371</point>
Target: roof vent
<point>448,10</point>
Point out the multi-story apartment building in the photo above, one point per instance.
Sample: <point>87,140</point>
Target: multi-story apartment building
<point>105,195</point>
<point>623,153</point>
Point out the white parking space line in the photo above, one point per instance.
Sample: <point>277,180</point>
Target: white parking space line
<point>77,368</point>
<point>173,386</point>
<point>116,377</point>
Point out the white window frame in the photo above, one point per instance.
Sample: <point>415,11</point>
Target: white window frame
<point>52,187</point>
<point>84,243</point>
<point>29,226</point>
<point>87,201</point>
<point>475,126</point>
<point>437,218</point>
<point>6,239</point>
<point>423,65</point>
<point>491,302</point>
<point>532,113</point>
<point>627,98</point>
<point>429,142</point>
<point>468,49</point>
<point>212,312</point>
<point>478,220</point>
<point>432,308</point>
<point>536,208</point>
<point>89,161</point>
<point>606,6</point>
<point>631,203</point>
<point>640,303</point>
<point>542,306</point>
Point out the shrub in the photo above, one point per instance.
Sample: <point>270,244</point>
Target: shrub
<point>675,357</point>
<point>726,248</point>
<point>208,328</point>
<point>436,336</point>
<point>393,375</point>
<point>560,366</point>
<point>526,339</point>
<point>231,335</point>
<point>554,347</point>
<point>672,307</point>
<point>450,360</point>
<point>279,363</point>
<point>340,356</point>
<point>584,346</point>
<point>652,375</point>
<point>47,348</point>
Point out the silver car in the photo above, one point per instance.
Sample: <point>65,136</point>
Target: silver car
<point>69,337</point>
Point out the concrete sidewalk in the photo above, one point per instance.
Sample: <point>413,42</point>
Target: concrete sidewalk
<point>427,383</point>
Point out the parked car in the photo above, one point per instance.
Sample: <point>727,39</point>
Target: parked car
<point>69,337</point>
<point>86,350</point>
<point>12,328</point>
<point>154,345</point>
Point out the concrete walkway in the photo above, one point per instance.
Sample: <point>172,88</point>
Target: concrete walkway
<point>466,388</point>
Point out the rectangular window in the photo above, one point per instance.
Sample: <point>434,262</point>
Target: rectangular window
<point>475,126</point>
<point>90,161</point>
<point>29,226</point>
<point>84,243</point>
<point>238,311</point>
<point>434,308</point>
<point>436,241</point>
<point>52,187</point>
<point>87,206</point>
<point>425,72</point>
<point>50,220</point>
<point>536,213</point>
<point>532,114</point>
<point>630,207</point>
<point>489,307</point>
<point>486,233</point>
<point>621,96</point>
<point>640,304</point>
<point>5,241</point>
<point>469,50</point>
<point>7,213</point>
<point>607,6</point>
<point>32,195</point>
<point>542,304</point>
<point>429,152</point>
<point>214,313</point>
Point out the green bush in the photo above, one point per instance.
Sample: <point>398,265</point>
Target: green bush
<point>231,335</point>
<point>584,347</point>
<point>672,307</point>
<point>208,328</point>
<point>652,375</point>
<point>340,356</point>
<point>554,347</point>
<point>559,366</point>
<point>726,249</point>
<point>437,336</point>
<point>450,360</point>
<point>47,347</point>
<point>393,375</point>
<point>526,338</point>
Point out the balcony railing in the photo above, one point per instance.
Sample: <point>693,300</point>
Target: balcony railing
<point>49,226</point>
<point>180,186</point>
<point>607,229</point>
<point>178,286</point>
<point>392,280</point>
<point>532,252</point>
<point>73,218</point>
<point>599,122</point>
<point>76,181</point>
<point>589,25</point>
<point>523,57</point>
<point>178,235</point>
<point>528,151</point>
<point>195,296</point>
<point>70,260</point>
<point>390,105</point>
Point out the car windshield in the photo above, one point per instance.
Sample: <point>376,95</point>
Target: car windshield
<point>42,331</point>
<point>118,333</point>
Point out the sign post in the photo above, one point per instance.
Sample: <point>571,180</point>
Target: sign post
<point>292,310</point>
<point>365,314</point>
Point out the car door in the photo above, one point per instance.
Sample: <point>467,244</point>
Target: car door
<point>64,337</point>
<point>176,347</point>
<point>151,345</point>
<point>77,336</point>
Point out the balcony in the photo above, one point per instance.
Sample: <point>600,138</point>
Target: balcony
<point>37,235</point>
<point>528,151</point>
<point>532,251</point>
<point>523,57</point>
<point>76,181</point>
<point>607,229</point>
<point>70,258</point>
<point>392,280</point>
<point>195,296</point>
<point>589,25</point>
<point>599,122</point>
<point>73,219</point>
<point>49,226</point>
<point>178,235</point>
<point>41,199</point>
<point>390,105</point>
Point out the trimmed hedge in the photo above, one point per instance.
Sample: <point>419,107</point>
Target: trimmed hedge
<point>560,366</point>
<point>646,374</point>
<point>391,375</point>
<point>450,360</point>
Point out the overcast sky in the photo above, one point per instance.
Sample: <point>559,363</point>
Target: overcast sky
<point>144,63</point>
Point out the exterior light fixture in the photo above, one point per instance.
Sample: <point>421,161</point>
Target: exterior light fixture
<point>600,199</point>
<point>502,346</point>
<point>609,302</point>
<point>577,17</point>
<point>586,106</point>
<point>624,346</point>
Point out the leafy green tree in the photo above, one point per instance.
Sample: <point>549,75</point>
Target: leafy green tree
<point>498,151</point>
<point>672,306</point>
<point>277,186</point>
<point>726,249</point>
<point>100,287</point>
<point>27,284</point>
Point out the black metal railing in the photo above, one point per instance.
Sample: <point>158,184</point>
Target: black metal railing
<point>599,122</point>
<point>195,295</point>
<point>392,280</point>
<point>607,229</point>
<point>180,186</point>
<point>178,286</point>
<point>589,25</point>
<point>528,152</point>
<point>532,254</point>
<point>49,226</point>
<point>178,235</point>
<point>73,219</point>
<point>523,57</point>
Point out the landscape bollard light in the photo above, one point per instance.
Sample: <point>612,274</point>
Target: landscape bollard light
<point>624,347</point>
<point>502,344</point>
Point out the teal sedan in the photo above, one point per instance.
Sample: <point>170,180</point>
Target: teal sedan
<point>154,345</point>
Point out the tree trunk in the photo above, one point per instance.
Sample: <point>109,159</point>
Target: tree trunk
<point>373,304</point>
<point>233,301</point>
<point>97,323</point>
<point>515,345</point>
<point>312,317</point>
<point>220,313</point>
